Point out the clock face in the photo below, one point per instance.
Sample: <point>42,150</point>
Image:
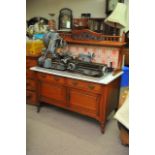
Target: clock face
<point>112,4</point>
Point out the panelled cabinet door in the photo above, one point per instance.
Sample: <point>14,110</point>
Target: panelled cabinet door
<point>84,102</point>
<point>53,92</point>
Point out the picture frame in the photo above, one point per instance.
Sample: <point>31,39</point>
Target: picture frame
<point>111,4</point>
<point>65,19</point>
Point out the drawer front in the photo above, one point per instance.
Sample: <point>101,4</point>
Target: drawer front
<point>54,92</point>
<point>84,102</point>
<point>31,97</point>
<point>30,84</point>
<point>29,73</point>
<point>30,63</point>
<point>50,78</point>
<point>88,86</point>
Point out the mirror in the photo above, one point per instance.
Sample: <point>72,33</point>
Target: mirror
<point>65,19</point>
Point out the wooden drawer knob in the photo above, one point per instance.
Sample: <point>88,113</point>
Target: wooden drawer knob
<point>91,87</point>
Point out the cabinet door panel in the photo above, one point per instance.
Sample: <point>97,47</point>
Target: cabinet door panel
<point>53,91</point>
<point>87,103</point>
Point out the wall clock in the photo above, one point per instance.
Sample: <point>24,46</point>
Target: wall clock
<point>111,4</point>
<point>65,19</point>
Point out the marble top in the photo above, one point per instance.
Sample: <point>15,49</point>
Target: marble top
<point>106,79</point>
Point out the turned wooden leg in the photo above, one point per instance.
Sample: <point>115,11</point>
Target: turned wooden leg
<point>102,126</point>
<point>38,107</point>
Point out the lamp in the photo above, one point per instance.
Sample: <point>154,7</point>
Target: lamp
<point>117,18</point>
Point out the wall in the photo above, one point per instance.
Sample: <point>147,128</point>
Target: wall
<point>95,7</point>
<point>103,55</point>
<point>43,7</point>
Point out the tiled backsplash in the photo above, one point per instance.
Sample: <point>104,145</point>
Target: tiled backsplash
<point>103,55</point>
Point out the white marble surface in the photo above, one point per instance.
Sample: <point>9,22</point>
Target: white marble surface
<point>106,79</point>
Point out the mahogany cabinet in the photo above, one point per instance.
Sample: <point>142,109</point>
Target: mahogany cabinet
<point>94,99</point>
<point>87,98</point>
<point>30,82</point>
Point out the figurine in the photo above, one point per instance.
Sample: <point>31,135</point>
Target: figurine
<point>86,57</point>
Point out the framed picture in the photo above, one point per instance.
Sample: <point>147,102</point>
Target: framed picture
<point>111,4</point>
<point>65,19</point>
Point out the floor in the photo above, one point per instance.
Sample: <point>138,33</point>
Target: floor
<point>55,131</point>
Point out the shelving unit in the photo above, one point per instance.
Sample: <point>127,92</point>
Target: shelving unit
<point>93,24</point>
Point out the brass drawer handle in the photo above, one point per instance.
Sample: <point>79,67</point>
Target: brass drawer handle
<point>56,79</point>
<point>74,83</point>
<point>91,87</point>
<point>43,75</point>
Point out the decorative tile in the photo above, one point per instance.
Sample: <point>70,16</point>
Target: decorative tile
<point>103,55</point>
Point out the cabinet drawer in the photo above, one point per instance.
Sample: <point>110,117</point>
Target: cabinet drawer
<point>53,92</point>
<point>29,73</point>
<point>31,97</point>
<point>30,84</point>
<point>50,78</point>
<point>30,63</point>
<point>84,102</point>
<point>88,86</point>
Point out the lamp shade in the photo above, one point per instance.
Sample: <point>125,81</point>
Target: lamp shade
<point>118,17</point>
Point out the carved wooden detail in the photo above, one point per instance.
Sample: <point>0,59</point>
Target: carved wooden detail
<point>86,36</point>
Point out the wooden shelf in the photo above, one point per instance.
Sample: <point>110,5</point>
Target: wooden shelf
<point>93,24</point>
<point>95,42</point>
<point>86,36</point>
